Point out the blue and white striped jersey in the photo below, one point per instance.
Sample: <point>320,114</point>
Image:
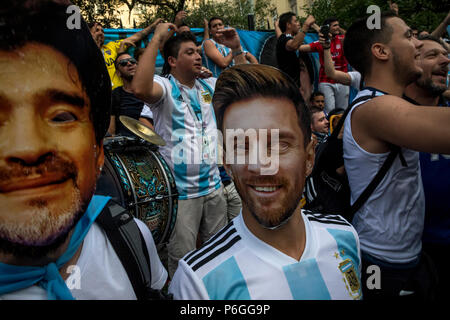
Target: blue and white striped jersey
<point>184,118</point>
<point>236,265</point>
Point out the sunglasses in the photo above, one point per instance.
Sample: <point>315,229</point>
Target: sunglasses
<point>124,62</point>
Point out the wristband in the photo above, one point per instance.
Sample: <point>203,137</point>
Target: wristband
<point>236,53</point>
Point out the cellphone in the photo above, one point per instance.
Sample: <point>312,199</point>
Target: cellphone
<point>325,30</point>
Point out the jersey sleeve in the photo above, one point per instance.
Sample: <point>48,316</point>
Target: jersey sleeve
<point>356,79</point>
<point>146,112</point>
<point>315,46</point>
<point>159,273</point>
<point>185,284</point>
<point>165,85</point>
<point>114,47</point>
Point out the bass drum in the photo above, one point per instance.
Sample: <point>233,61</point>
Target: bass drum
<point>136,176</point>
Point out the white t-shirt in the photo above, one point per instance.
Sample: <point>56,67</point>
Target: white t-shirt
<point>356,79</point>
<point>146,112</point>
<point>390,222</point>
<point>99,274</point>
<point>236,265</point>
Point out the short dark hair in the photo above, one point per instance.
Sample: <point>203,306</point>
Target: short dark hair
<point>45,22</point>
<point>430,37</point>
<point>285,18</point>
<point>119,55</point>
<point>359,40</point>
<point>330,20</point>
<point>172,47</point>
<point>314,109</point>
<point>92,24</point>
<point>247,81</point>
<point>316,94</point>
<point>212,19</point>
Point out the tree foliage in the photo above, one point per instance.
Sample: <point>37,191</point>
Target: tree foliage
<point>234,12</point>
<point>423,14</point>
<point>102,11</point>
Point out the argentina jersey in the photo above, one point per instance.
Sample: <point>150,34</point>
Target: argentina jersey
<point>184,118</point>
<point>236,265</point>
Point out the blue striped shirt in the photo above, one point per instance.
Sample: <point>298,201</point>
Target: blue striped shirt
<point>184,118</point>
<point>236,265</point>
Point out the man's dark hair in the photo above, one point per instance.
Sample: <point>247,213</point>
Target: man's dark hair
<point>45,22</point>
<point>359,40</point>
<point>316,94</point>
<point>246,81</point>
<point>212,19</point>
<point>116,62</point>
<point>314,110</point>
<point>92,24</point>
<point>285,18</point>
<point>172,47</point>
<point>430,37</point>
<point>330,20</point>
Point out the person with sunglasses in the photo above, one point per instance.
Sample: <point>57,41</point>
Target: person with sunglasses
<point>111,49</point>
<point>124,102</point>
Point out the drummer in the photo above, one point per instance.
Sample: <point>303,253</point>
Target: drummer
<point>124,102</point>
<point>184,118</point>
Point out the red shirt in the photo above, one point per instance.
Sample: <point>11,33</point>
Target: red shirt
<point>337,53</point>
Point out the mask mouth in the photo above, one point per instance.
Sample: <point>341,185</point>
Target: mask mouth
<point>440,73</point>
<point>266,188</point>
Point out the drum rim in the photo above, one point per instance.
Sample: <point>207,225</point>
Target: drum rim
<point>169,220</point>
<point>172,195</point>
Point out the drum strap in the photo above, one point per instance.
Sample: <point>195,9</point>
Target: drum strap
<point>129,245</point>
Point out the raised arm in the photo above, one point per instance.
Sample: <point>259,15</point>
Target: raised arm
<point>296,42</point>
<point>143,85</point>
<point>138,36</point>
<point>330,71</point>
<point>230,38</point>
<point>179,17</point>
<point>391,120</point>
<point>439,31</point>
<point>278,32</point>
<point>205,29</point>
<point>214,54</point>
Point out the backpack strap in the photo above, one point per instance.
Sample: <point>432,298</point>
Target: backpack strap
<point>364,196</point>
<point>376,180</point>
<point>338,128</point>
<point>129,245</point>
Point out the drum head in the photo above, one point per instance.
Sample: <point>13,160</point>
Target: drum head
<point>138,178</point>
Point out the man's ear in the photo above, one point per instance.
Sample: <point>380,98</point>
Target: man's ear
<point>172,61</point>
<point>310,155</point>
<point>380,51</point>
